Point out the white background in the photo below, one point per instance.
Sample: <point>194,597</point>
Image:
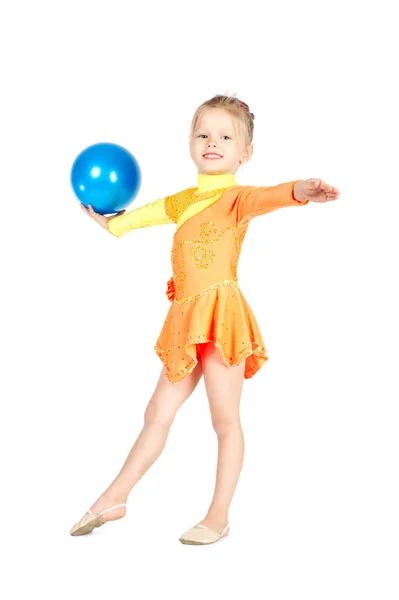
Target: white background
<point>315,512</point>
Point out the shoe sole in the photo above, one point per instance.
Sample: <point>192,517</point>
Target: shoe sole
<point>192,543</point>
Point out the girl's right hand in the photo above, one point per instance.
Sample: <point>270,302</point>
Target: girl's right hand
<point>100,219</point>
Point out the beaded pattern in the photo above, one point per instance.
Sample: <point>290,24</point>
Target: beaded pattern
<point>213,309</point>
<point>206,291</point>
<point>255,348</point>
<point>178,266</point>
<point>201,256</point>
<point>176,204</point>
<point>176,346</point>
<point>252,349</point>
<point>208,232</point>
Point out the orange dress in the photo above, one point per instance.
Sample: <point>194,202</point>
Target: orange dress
<point>207,304</point>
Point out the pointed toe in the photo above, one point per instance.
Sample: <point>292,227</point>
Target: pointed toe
<point>86,524</point>
<point>90,521</point>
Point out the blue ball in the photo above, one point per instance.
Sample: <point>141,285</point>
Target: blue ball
<point>106,176</point>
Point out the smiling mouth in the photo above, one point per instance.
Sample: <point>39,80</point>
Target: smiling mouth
<point>212,156</point>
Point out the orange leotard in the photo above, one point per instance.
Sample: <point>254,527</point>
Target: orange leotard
<point>207,304</point>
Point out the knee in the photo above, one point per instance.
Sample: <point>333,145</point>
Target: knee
<point>226,426</point>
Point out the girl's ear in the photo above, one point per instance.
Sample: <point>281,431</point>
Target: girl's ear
<point>247,154</point>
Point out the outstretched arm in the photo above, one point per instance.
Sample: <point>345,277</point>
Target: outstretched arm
<point>248,202</point>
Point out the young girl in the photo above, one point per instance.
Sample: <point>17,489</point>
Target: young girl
<point>210,329</point>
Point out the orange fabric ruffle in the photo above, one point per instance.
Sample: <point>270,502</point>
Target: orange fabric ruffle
<point>221,316</point>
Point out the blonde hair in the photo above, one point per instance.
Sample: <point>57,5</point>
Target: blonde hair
<point>235,107</point>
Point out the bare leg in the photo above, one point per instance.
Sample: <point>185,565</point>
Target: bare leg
<point>224,387</point>
<point>158,418</point>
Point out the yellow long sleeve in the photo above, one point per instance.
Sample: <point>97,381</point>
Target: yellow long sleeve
<point>144,216</point>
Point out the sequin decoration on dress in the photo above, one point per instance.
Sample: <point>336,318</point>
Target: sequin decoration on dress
<point>220,315</point>
<point>207,304</point>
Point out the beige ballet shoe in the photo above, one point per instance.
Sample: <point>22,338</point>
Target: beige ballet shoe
<point>91,520</point>
<point>199,535</point>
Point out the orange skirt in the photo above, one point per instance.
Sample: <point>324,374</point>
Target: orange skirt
<point>221,316</point>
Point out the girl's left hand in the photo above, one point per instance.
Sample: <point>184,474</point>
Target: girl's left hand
<point>97,217</point>
<point>315,190</point>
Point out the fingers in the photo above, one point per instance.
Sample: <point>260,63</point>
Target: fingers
<point>325,187</point>
<point>328,188</point>
<point>332,196</point>
<point>82,206</point>
<point>89,211</point>
<point>321,190</point>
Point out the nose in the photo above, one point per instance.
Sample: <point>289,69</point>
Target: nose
<point>211,143</point>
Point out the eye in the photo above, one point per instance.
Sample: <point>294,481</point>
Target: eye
<point>204,135</point>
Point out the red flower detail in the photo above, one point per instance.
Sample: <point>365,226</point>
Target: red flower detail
<point>246,107</point>
<point>170,292</point>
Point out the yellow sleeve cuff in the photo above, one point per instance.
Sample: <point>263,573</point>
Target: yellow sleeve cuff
<point>144,216</point>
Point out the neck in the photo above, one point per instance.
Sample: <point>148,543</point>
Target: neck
<point>208,182</point>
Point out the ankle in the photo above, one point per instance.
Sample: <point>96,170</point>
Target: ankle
<point>115,496</point>
<point>218,514</point>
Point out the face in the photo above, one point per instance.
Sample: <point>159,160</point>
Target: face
<point>217,144</point>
